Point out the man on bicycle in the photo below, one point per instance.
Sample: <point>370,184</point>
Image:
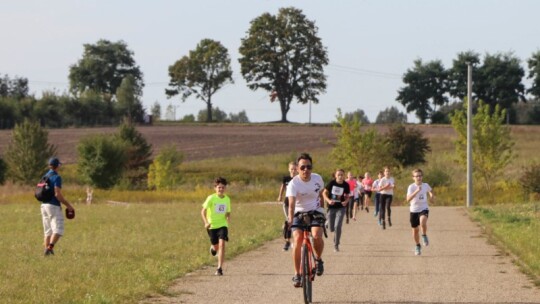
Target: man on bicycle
<point>304,193</point>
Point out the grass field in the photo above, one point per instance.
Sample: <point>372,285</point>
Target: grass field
<point>131,244</point>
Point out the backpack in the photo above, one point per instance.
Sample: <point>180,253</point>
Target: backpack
<point>44,189</point>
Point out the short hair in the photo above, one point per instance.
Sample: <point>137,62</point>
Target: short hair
<point>220,180</point>
<point>292,163</point>
<point>304,156</point>
<point>417,170</point>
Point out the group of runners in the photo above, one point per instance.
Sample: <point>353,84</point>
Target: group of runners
<point>328,205</point>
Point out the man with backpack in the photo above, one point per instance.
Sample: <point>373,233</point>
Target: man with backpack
<point>51,210</point>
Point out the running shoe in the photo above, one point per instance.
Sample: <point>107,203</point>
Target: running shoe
<point>320,266</point>
<point>336,248</point>
<point>297,281</point>
<point>375,214</point>
<point>425,240</point>
<point>367,209</point>
<point>418,250</point>
<point>383,225</point>
<point>219,272</point>
<point>380,222</point>
<point>390,222</point>
<point>48,252</point>
<point>286,246</point>
<point>212,251</point>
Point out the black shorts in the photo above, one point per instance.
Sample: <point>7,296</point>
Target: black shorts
<point>317,219</point>
<point>368,193</point>
<point>415,217</point>
<point>217,234</point>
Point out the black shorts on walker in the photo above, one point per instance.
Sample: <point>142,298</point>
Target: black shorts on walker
<point>217,234</point>
<point>415,217</point>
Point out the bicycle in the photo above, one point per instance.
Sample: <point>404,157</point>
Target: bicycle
<point>307,258</point>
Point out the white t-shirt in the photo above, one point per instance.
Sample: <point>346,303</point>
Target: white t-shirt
<point>359,188</point>
<point>385,181</point>
<point>420,201</point>
<point>376,185</point>
<point>306,193</point>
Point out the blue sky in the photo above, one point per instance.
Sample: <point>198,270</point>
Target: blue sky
<point>370,43</point>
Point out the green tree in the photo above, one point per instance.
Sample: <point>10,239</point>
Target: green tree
<point>408,146</point>
<point>359,115</point>
<point>534,74</point>
<point>128,103</point>
<point>156,111</point>
<point>138,153</point>
<point>492,143</point>
<point>357,149</point>
<point>101,160</point>
<point>283,55</point>
<point>28,152</point>
<point>188,118</point>
<point>217,115</point>
<point>499,80</point>
<point>457,75</point>
<point>16,87</point>
<point>206,70</point>
<point>164,172</point>
<point>426,88</point>
<point>102,68</point>
<point>241,117</point>
<point>391,115</point>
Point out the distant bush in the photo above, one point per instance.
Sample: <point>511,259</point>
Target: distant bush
<point>530,179</point>
<point>3,169</point>
<point>437,177</point>
<point>408,146</point>
<point>164,172</point>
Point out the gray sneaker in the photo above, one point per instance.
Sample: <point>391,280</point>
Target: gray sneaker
<point>425,240</point>
<point>417,250</point>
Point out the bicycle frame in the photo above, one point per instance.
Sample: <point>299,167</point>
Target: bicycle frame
<point>307,269</point>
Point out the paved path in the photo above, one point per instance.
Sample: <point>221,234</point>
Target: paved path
<point>373,266</point>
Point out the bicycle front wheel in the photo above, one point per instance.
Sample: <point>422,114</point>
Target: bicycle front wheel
<point>306,275</point>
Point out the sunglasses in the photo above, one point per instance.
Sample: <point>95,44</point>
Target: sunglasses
<point>306,167</point>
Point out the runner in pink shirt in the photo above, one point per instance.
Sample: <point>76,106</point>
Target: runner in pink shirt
<point>352,185</point>
<point>367,182</point>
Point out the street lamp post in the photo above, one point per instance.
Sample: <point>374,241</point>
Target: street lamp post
<point>469,136</point>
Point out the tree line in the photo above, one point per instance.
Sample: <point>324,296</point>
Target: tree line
<point>281,54</point>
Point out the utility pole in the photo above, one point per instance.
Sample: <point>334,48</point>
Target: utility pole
<point>469,136</point>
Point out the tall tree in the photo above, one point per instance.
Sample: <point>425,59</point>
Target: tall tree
<point>28,152</point>
<point>457,75</point>
<point>283,55</point>
<point>16,87</point>
<point>359,114</point>
<point>203,72</point>
<point>156,111</point>
<point>102,68</point>
<point>499,80</point>
<point>426,88</point>
<point>534,74</point>
<point>128,103</point>
<point>391,115</point>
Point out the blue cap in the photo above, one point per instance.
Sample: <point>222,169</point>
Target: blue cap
<point>55,162</point>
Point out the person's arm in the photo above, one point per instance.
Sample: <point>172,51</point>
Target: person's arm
<point>60,197</point>
<point>292,203</point>
<point>228,217</point>
<point>326,198</point>
<point>431,197</point>
<point>413,194</point>
<point>205,220</point>
<point>281,190</point>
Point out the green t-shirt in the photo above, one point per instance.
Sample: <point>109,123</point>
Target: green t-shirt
<point>216,210</point>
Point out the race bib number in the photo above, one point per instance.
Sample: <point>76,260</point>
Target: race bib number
<point>421,197</point>
<point>337,191</point>
<point>220,208</point>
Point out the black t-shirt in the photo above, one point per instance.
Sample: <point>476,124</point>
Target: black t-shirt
<point>286,180</point>
<point>337,192</point>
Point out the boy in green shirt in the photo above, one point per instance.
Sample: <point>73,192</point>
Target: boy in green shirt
<point>216,214</point>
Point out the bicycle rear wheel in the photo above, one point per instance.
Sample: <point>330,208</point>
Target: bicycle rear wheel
<point>306,275</point>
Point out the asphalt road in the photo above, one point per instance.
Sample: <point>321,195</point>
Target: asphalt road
<point>373,266</point>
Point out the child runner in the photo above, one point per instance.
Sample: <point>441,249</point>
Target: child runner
<point>367,182</point>
<point>284,183</point>
<point>358,196</point>
<point>386,186</point>
<point>417,195</point>
<point>216,215</point>
<point>352,187</point>
<point>336,195</point>
<point>377,195</point>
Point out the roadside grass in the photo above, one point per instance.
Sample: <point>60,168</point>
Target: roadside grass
<point>118,253</point>
<point>516,228</point>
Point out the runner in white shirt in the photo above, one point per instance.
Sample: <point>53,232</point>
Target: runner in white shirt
<point>417,195</point>
<point>305,195</point>
<point>386,187</point>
